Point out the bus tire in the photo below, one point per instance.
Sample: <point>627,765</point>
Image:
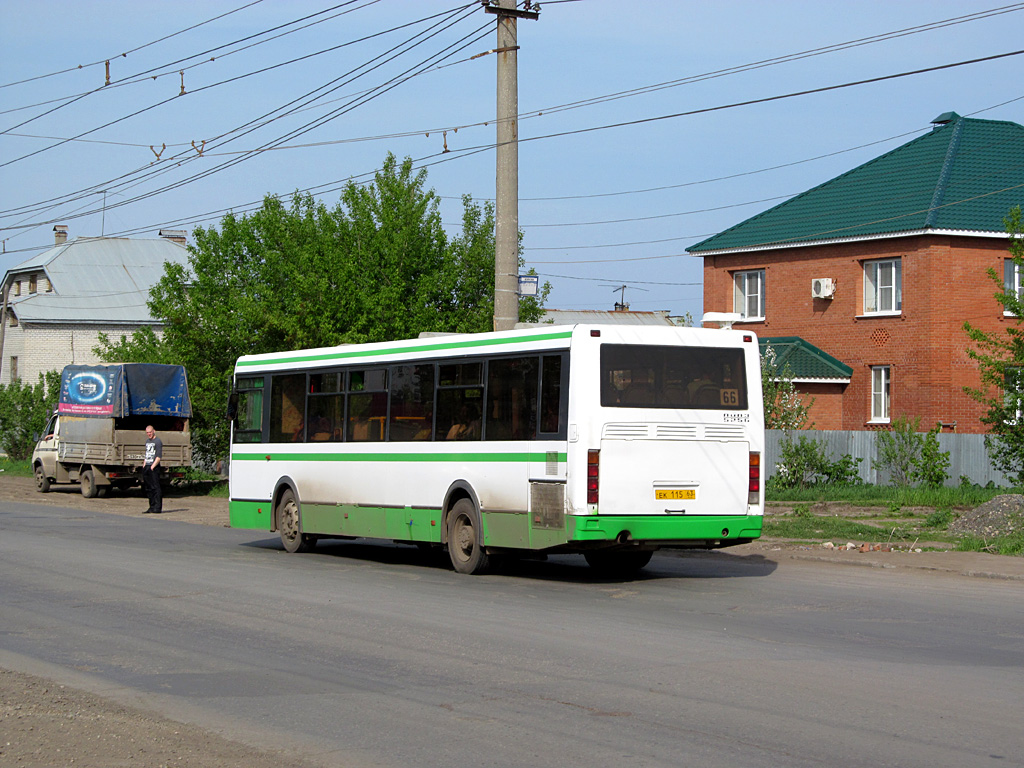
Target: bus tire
<point>617,564</point>
<point>42,481</point>
<point>88,484</point>
<point>466,539</point>
<point>289,524</point>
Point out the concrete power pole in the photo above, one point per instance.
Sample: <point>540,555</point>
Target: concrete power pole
<point>506,224</point>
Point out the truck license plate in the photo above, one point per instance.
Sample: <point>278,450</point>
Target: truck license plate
<point>675,493</point>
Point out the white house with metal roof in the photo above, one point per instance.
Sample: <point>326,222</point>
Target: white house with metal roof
<point>55,305</point>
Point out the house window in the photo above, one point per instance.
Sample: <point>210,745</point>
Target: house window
<point>881,383</point>
<point>17,287</point>
<point>1013,279</point>
<point>14,368</point>
<point>883,286</point>
<point>748,294</point>
<point>1013,394</point>
<point>31,283</point>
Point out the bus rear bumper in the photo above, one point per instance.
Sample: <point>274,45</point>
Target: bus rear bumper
<point>705,531</point>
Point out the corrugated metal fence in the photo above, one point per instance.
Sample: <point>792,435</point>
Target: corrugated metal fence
<point>967,453</point>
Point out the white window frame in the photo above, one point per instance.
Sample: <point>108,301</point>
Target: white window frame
<point>1013,281</point>
<point>883,287</point>
<point>1013,392</point>
<point>881,394</point>
<point>748,289</point>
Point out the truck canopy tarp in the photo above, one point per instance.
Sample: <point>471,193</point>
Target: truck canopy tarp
<point>123,390</point>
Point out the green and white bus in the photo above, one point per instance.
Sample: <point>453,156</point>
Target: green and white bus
<point>611,441</point>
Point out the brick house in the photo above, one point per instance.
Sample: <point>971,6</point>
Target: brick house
<point>55,305</point>
<point>866,280</point>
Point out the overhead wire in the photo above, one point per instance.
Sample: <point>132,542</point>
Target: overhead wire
<point>266,118</point>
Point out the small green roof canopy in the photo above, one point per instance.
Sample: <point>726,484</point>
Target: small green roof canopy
<point>964,175</point>
<point>806,363</point>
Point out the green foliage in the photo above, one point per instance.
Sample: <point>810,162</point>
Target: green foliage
<point>940,518</point>
<point>783,406</point>
<point>1002,545</point>
<point>933,464</point>
<point>15,467</point>
<point>24,410</point>
<point>805,462</point>
<point>910,456</point>
<point>378,266</point>
<point>1000,358</point>
<point>811,526</point>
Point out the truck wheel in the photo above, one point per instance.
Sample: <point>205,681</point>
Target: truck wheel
<point>42,481</point>
<point>88,484</point>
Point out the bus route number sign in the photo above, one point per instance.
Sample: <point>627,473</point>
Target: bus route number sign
<point>675,493</point>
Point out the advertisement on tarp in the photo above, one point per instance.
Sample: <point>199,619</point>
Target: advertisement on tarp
<point>105,391</point>
<point>91,390</point>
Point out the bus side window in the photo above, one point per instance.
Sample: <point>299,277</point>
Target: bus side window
<point>550,394</point>
<point>512,398</point>
<point>287,408</point>
<point>248,409</point>
<point>412,403</point>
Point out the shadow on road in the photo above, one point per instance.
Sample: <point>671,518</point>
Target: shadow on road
<point>666,564</point>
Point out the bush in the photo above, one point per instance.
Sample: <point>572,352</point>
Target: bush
<point>805,462</point>
<point>24,410</point>
<point>911,457</point>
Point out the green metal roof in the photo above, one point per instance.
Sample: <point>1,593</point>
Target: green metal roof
<point>966,174</point>
<point>805,361</point>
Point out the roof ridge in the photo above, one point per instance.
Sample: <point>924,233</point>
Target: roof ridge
<point>952,150</point>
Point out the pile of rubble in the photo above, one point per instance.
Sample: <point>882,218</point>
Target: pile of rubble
<point>1001,516</point>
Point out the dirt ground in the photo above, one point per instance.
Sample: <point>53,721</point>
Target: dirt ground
<point>44,724</point>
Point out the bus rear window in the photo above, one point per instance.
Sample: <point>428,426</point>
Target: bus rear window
<point>634,376</point>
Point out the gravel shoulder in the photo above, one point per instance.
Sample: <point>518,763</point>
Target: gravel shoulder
<point>44,723</point>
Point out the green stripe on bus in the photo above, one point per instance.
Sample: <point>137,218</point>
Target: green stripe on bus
<point>398,457</point>
<point>358,353</point>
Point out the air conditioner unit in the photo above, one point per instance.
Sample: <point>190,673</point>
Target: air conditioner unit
<point>823,288</point>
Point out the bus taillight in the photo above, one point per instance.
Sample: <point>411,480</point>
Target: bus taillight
<point>592,476</point>
<point>754,486</point>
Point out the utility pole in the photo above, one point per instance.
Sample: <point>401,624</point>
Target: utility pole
<point>506,223</point>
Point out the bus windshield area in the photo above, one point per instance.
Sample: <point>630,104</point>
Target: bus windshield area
<point>636,376</point>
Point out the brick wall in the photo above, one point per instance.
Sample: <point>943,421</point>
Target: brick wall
<point>41,348</point>
<point>944,283</point>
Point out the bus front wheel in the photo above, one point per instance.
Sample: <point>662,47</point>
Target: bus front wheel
<point>290,527</point>
<point>466,539</point>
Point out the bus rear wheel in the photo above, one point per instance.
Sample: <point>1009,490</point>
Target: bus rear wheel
<point>617,563</point>
<point>289,524</point>
<point>466,539</point>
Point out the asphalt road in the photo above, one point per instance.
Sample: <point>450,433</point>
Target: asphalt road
<point>360,655</point>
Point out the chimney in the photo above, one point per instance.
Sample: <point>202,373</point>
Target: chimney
<point>60,234</point>
<point>174,235</point>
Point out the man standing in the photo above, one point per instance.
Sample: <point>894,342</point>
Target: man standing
<point>151,471</point>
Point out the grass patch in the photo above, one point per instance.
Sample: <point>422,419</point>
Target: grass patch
<point>890,496</point>
<point>811,526</point>
<point>16,468</point>
<point>1000,545</point>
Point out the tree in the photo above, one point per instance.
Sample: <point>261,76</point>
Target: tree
<point>783,406</point>
<point>24,410</point>
<point>377,266</point>
<point>1000,359</point>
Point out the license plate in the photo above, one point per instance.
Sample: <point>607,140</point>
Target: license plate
<point>675,493</point>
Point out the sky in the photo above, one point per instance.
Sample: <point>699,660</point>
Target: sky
<point>645,126</point>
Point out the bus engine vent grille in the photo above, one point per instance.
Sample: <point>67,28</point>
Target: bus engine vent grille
<point>547,505</point>
<point>675,431</point>
<point>625,431</point>
<point>723,432</point>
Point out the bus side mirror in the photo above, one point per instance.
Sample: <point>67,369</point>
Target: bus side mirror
<point>232,406</point>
